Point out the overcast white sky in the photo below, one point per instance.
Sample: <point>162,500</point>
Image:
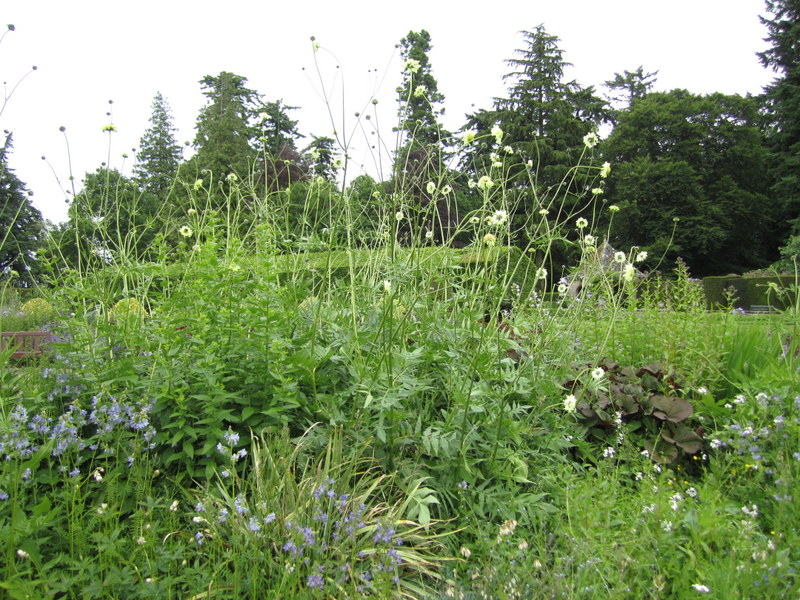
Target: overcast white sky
<point>90,51</point>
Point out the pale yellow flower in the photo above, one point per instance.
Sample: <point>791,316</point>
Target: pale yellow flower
<point>605,170</point>
<point>431,187</point>
<point>497,132</point>
<point>581,223</point>
<point>485,182</point>
<point>590,140</point>
<point>489,239</point>
<point>412,65</point>
<point>186,231</point>
<point>628,272</point>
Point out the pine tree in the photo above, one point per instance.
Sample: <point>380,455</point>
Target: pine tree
<point>420,157</point>
<point>544,116</point>
<point>21,226</point>
<point>628,86</point>
<point>225,139</point>
<point>783,105</point>
<point>159,154</point>
<point>418,95</point>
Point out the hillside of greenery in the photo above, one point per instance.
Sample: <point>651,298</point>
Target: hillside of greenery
<point>491,375</point>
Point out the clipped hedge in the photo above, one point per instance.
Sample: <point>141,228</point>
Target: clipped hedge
<point>750,291</point>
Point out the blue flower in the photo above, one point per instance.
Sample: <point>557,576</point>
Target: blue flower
<point>315,581</point>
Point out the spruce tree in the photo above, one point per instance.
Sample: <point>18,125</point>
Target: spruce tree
<point>418,95</point>
<point>159,154</point>
<point>420,157</point>
<point>21,226</point>
<point>783,105</point>
<point>226,132</point>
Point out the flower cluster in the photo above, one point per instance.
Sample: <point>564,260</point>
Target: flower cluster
<point>107,418</point>
<point>333,543</point>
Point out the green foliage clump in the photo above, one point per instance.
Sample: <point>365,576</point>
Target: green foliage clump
<point>127,309</point>
<point>642,404</point>
<point>38,309</point>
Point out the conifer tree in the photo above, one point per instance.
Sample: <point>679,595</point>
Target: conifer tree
<point>783,105</point>
<point>420,157</point>
<point>159,154</point>
<point>225,139</point>
<point>21,226</point>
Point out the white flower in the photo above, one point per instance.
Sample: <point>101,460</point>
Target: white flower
<point>474,220</point>
<point>590,241</point>
<point>420,91</point>
<point>609,452</point>
<point>446,189</point>
<point>191,212</point>
<point>471,184</point>
<point>231,177</point>
<point>703,589</point>
<point>666,526</point>
<point>497,133</point>
<point>22,554</point>
<point>702,390</point>
<point>431,187</point>
<point>581,223</point>
<point>465,552</point>
<point>541,273</point>
<point>508,150</point>
<point>186,231</point>
<point>641,256</point>
<point>174,506</point>
<point>485,182</point>
<point>750,511</point>
<point>412,65</point>
<point>499,217</point>
<point>562,289</point>
<point>598,373</point>
<point>597,191</point>
<point>619,257</point>
<point>605,170</point>
<point>544,212</point>
<point>570,402</point>
<point>428,235</point>
<point>590,140</point>
<point>398,215</point>
<point>613,208</point>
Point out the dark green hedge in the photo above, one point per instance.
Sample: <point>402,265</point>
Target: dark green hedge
<point>750,291</point>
